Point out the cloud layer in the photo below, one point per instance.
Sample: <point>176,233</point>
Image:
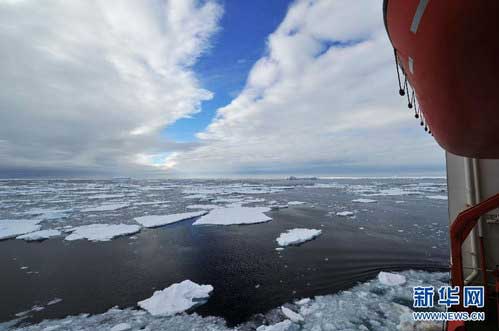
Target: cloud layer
<point>88,84</point>
<point>324,99</point>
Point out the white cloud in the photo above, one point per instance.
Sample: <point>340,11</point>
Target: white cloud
<point>324,96</point>
<point>88,84</point>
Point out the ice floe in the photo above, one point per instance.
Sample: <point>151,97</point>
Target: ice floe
<point>176,298</point>
<point>154,221</point>
<point>49,213</point>
<point>201,206</point>
<point>345,213</point>
<point>437,197</point>
<point>101,232</point>
<point>235,215</point>
<point>285,325</point>
<point>106,207</point>
<point>367,306</point>
<point>297,236</point>
<point>391,279</point>
<point>13,228</point>
<point>295,203</point>
<point>364,200</point>
<point>121,327</point>
<point>39,235</point>
<point>291,315</point>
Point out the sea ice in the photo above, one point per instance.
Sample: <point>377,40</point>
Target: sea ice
<point>364,200</point>
<point>285,325</point>
<point>153,221</point>
<point>205,207</point>
<point>293,316</point>
<point>344,213</point>
<point>176,298</point>
<point>13,228</point>
<point>391,279</point>
<point>106,207</point>
<point>297,236</point>
<point>437,197</point>
<point>121,327</point>
<point>39,235</point>
<point>101,232</point>
<point>235,215</point>
<point>49,213</point>
<point>366,306</point>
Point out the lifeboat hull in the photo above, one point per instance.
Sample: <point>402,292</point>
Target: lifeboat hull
<point>449,52</point>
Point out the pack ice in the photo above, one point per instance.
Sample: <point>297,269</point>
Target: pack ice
<point>13,228</point>
<point>235,215</point>
<point>101,232</point>
<point>176,298</point>
<point>153,221</point>
<point>297,236</point>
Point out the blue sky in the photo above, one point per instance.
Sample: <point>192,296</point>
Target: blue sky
<point>223,70</point>
<point>114,88</point>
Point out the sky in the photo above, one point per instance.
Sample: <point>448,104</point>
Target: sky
<point>203,88</point>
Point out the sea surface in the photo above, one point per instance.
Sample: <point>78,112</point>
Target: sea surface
<point>398,224</point>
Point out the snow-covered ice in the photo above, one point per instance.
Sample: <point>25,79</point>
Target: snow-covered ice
<point>106,207</point>
<point>13,228</point>
<point>364,200</point>
<point>297,236</point>
<point>437,197</point>
<point>201,206</point>
<point>295,203</point>
<point>101,232</point>
<point>345,213</point>
<point>391,279</point>
<point>293,316</point>
<point>367,306</point>
<point>153,221</point>
<point>235,215</point>
<point>285,325</point>
<point>39,235</point>
<point>49,213</point>
<point>176,298</point>
<point>121,327</point>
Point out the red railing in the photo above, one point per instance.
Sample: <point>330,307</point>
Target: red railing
<point>459,231</point>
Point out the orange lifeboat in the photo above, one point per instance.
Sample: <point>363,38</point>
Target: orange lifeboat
<point>447,54</point>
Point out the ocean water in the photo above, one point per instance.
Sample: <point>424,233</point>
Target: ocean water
<point>393,225</point>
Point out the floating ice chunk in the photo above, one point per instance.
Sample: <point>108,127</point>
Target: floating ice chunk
<point>277,207</point>
<point>106,207</point>
<point>345,213</point>
<point>39,235</point>
<point>285,325</point>
<point>437,197</point>
<point>294,317</point>
<point>303,301</point>
<point>153,221</point>
<point>391,279</point>
<point>235,215</point>
<point>176,298</point>
<point>54,301</point>
<point>295,203</point>
<point>121,327</point>
<point>101,232</point>
<point>205,207</point>
<point>13,228</point>
<point>297,236</point>
<point>50,213</point>
<point>364,200</point>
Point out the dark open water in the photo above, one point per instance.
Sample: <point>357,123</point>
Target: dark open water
<point>248,274</point>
